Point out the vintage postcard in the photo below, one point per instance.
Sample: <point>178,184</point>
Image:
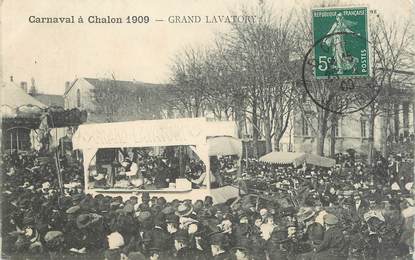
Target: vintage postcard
<point>220,129</point>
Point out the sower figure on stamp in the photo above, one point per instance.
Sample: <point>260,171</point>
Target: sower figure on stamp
<point>337,44</point>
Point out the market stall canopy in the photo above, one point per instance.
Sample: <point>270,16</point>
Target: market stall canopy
<point>297,159</point>
<point>19,109</point>
<point>224,145</point>
<point>13,98</point>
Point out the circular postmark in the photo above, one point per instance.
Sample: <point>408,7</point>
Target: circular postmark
<point>337,88</point>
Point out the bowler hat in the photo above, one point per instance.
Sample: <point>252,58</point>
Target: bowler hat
<point>172,218</point>
<point>279,236</point>
<point>242,243</point>
<point>159,220</point>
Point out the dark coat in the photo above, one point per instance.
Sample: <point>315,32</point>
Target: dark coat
<point>358,212</point>
<point>160,178</point>
<point>160,239</point>
<point>277,251</point>
<point>112,254</point>
<point>188,253</point>
<point>333,246</point>
<point>315,233</point>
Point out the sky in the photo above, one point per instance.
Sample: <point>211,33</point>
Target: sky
<point>55,53</point>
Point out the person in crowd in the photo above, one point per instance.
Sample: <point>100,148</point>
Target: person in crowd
<point>320,213</point>
<point>183,248</point>
<point>334,245</point>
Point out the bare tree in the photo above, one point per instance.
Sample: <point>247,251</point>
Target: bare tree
<point>259,54</point>
<point>190,82</point>
<point>392,51</point>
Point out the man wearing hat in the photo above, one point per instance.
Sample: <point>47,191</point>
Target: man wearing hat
<point>172,222</point>
<point>359,206</point>
<point>241,250</point>
<point>55,244</point>
<point>183,249</point>
<point>159,236</point>
<point>277,244</point>
<point>313,231</point>
<point>218,244</point>
<point>333,246</point>
<point>91,230</point>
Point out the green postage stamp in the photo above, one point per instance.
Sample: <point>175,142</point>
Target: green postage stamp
<point>341,42</point>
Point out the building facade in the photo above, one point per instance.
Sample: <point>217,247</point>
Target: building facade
<point>107,100</point>
<point>352,130</point>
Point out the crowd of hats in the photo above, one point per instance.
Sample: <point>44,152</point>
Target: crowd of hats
<point>37,221</point>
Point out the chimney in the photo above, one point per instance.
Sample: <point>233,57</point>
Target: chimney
<point>32,90</point>
<point>67,86</point>
<point>11,78</point>
<point>23,85</point>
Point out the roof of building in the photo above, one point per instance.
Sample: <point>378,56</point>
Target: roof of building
<point>120,83</point>
<point>50,100</point>
<point>117,83</point>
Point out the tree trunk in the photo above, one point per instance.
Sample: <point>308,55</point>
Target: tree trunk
<point>277,140</point>
<point>371,139</point>
<point>268,139</point>
<point>322,131</point>
<point>396,121</point>
<point>333,137</point>
<point>254,131</point>
<point>239,119</point>
<point>385,136</point>
<point>320,143</point>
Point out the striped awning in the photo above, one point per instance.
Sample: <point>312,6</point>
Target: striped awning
<point>297,159</point>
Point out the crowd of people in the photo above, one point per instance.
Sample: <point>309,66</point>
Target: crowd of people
<point>350,211</point>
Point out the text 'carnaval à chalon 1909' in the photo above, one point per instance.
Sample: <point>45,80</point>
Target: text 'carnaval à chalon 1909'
<point>173,19</point>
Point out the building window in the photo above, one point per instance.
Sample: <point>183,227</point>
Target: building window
<point>363,126</point>
<point>78,98</point>
<point>305,127</point>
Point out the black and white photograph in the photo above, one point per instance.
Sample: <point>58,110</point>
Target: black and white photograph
<point>198,130</point>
